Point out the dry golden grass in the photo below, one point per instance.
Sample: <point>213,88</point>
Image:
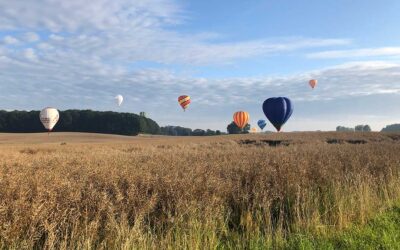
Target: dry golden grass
<point>95,191</point>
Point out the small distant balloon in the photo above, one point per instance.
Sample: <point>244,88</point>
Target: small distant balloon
<point>119,99</point>
<point>262,124</point>
<point>49,118</point>
<point>253,130</point>
<point>241,118</point>
<point>184,101</point>
<point>313,83</point>
<point>278,110</point>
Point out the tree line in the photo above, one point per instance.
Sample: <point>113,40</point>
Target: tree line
<point>109,122</point>
<point>181,131</point>
<point>367,128</point>
<point>391,128</point>
<point>79,121</point>
<point>358,128</point>
<point>232,128</point>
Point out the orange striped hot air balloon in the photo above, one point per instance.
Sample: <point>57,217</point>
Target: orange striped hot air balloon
<point>313,83</point>
<point>184,101</point>
<point>241,118</point>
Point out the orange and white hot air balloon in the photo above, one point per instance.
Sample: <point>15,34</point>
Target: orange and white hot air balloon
<point>241,118</point>
<point>49,118</point>
<point>313,83</point>
<point>184,101</point>
<point>253,130</point>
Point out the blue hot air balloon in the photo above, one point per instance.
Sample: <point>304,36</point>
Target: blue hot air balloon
<point>278,110</point>
<point>261,124</point>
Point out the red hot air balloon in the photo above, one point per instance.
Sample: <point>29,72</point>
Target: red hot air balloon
<point>184,101</point>
<point>313,83</point>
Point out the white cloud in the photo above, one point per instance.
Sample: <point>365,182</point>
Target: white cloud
<point>74,15</point>
<point>369,52</point>
<point>10,40</point>
<point>69,78</point>
<point>31,37</point>
<point>168,47</point>
<point>56,37</point>
<point>30,54</point>
<point>129,31</point>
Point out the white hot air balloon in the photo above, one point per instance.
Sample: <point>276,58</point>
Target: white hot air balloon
<point>49,118</point>
<point>119,99</point>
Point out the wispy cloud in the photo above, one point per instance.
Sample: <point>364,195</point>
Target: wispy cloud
<point>77,15</point>
<point>79,54</point>
<point>10,40</point>
<point>128,31</point>
<point>31,37</point>
<point>30,54</point>
<point>356,53</point>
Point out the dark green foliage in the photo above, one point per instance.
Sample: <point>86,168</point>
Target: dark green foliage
<point>210,132</point>
<point>362,128</point>
<point>20,121</point>
<point>391,128</point>
<point>176,131</point>
<point>181,131</point>
<point>358,128</point>
<point>234,129</point>
<point>367,128</point>
<point>344,129</point>
<point>79,121</point>
<point>198,132</point>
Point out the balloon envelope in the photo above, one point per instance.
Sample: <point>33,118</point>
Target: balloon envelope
<point>313,83</point>
<point>241,118</point>
<point>49,118</point>
<point>278,110</point>
<point>119,99</point>
<point>184,101</point>
<point>261,124</point>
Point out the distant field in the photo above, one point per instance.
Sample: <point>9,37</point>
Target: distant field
<point>283,190</point>
<point>42,138</point>
<point>310,137</point>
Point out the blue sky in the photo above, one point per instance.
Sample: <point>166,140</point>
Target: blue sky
<point>227,55</point>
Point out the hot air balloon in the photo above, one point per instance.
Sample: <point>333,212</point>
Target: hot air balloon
<point>184,101</point>
<point>241,118</point>
<point>49,118</point>
<point>119,99</point>
<point>261,124</point>
<point>253,130</point>
<point>313,83</point>
<point>278,110</point>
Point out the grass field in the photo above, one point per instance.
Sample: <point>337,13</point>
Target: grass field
<point>283,191</point>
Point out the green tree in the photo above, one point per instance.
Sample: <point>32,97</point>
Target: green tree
<point>362,128</point>
<point>199,132</point>
<point>391,128</point>
<point>367,128</point>
<point>210,132</point>
<point>344,129</point>
<point>234,129</point>
<point>246,129</point>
